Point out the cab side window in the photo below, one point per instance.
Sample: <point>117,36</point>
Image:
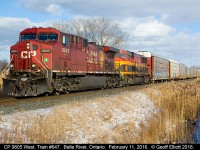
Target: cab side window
<point>85,42</point>
<point>65,40</point>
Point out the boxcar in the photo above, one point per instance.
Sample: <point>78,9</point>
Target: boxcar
<point>182,71</point>
<point>158,66</point>
<point>198,73</point>
<point>193,72</point>
<point>188,73</point>
<point>174,70</point>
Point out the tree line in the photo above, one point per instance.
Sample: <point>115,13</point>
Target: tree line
<point>101,30</point>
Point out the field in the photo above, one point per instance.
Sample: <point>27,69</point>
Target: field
<point>157,114</point>
<point>179,104</point>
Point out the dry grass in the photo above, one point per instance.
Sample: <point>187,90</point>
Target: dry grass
<point>1,82</point>
<point>40,129</point>
<point>179,105</point>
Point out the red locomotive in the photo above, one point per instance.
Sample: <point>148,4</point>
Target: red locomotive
<point>46,60</point>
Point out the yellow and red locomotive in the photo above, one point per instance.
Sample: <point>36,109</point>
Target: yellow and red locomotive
<point>132,68</point>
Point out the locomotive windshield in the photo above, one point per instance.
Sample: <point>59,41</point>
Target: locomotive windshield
<point>121,55</point>
<point>27,37</point>
<point>48,37</point>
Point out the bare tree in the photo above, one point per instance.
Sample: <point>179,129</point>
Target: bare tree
<point>3,64</point>
<point>102,30</point>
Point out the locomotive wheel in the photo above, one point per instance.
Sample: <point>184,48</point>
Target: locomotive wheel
<point>57,92</point>
<point>47,94</point>
<point>66,91</point>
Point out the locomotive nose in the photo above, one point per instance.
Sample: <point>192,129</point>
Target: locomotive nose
<point>26,53</point>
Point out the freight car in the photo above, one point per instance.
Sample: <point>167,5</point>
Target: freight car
<point>174,70</point>
<point>182,71</point>
<point>158,66</point>
<point>161,69</point>
<point>193,72</point>
<point>198,73</point>
<point>187,72</point>
<point>46,60</point>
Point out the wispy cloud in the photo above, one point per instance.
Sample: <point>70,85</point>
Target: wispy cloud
<point>10,28</point>
<point>169,10</point>
<point>151,34</point>
<point>145,27</point>
<point>16,24</point>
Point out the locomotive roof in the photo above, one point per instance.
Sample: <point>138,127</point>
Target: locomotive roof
<point>40,29</point>
<point>108,48</point>
<point>45,29</point>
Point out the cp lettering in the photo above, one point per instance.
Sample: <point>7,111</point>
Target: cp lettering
<point>28,54</point>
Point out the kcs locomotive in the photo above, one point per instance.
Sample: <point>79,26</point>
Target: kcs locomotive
<point>47,61</point>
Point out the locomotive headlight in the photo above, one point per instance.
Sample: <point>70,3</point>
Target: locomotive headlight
<point>11,65</point>
<point>28,45</point>
<point>13,51</point>
<point>33,65</point>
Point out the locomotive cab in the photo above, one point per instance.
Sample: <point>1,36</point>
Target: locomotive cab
<point>132,67</point>
<point>121,60</point>
<point>33,52</point>
<point>30,62</point>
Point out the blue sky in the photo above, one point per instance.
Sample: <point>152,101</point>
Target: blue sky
<point>170,28</point>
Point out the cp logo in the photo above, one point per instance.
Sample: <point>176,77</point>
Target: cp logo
<point>27,54</point>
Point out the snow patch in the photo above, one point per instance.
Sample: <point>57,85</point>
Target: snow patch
<point>93,119</point>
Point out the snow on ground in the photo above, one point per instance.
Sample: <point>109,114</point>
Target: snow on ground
<point>22,116</point>
<point>100,120</point>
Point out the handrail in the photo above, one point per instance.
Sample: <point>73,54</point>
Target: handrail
<point>43,65</point>
<point>5,69</point>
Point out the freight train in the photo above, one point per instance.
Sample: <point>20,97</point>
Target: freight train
<point>47,61</point>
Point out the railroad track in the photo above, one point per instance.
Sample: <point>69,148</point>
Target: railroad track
<point>10,100</point>
<point>3,100</point>
<point>7,101</point>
